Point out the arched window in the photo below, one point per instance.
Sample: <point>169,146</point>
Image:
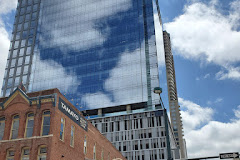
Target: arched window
<point>10,154</point>
<point>85,145</point>
<point>45,123</point>
<point>29,125</point>
<point>25,153</point>
<point>15,127</point>
<point>2,127</point>
<point>42,153</point>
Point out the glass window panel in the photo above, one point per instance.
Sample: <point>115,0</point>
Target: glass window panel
<point>2,127</point>
<point>21,18</point>
<point>27,17</point>
<point>28,50</point>
<point>42,153</point>
<point>18,72</point>
<point>10,155</point>
<point>25,154</point>
<point>72,136</point>
<point>26,24</point>
<point>24,34</point>
<point>21,53</point>
<point>20,61</point>
<point>33,24</point>
<point>43,150</point>
<point>14,55</point>
<point>27,59</point>
<point>15,126</point>
<point>23,2</point>
<point>29,8</point>
<point>34,15</point>
<point>29,125</point>
<point>16,44</point>
<point>25,70</point>
<point>8,92</point>
<point>9,54</point>
<point>22,11</point>
<point>18,35</point>
<point>46,123</point>
<point>11,72</point>
<point>23,43</point>
<point>85,145</point>
<point>31,32</point>
<point>13,62</point>
<point>19,27</point>
<point>62,129</point>
<point>17,80</point>
<point>24,79</point>
<point>30,41</point>
<point>35,7</point>
<point>30,2</point>
<point>5,74</point>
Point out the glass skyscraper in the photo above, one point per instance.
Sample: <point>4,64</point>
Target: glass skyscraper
<point>99,53</point>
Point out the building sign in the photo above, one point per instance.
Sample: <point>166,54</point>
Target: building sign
<point>72,114</point>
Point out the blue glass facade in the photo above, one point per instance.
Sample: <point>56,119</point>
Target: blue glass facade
<point>99,53</point>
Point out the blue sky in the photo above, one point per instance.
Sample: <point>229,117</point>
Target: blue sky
<point>206,43</point>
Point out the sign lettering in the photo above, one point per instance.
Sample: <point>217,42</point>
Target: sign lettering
<point>72,114</point>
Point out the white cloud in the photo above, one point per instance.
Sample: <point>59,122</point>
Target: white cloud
<point>237,112</point>
<point>6,6</point>
<point>202,32</point>
<point>53,75</point>
<point>218,100</point>
<point>4,46</point>
<point>194,115</point>
<point>206,76</point>
<point>229,73</point>
<point>125,80</point>
<point>205,136</point>
<point>90,35</point>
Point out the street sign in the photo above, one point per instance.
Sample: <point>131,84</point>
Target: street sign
<point>229,155</point>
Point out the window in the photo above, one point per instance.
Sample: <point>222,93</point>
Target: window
<point>15,126</point>
<point>102,155</point>
<point>2,126</point>
<point>85,145</point>
<point>62,129</point>
<point>45,123</point>
<point>94,151</point>
<point>72,136</point>
<point>10,155</point>
<point>42,153</point>
<point>25,154</point>
<point>29,125</point>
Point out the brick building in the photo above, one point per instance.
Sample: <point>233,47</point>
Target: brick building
<point>46,126</point>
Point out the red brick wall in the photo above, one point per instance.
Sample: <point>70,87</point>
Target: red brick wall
<point>57,149</point>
